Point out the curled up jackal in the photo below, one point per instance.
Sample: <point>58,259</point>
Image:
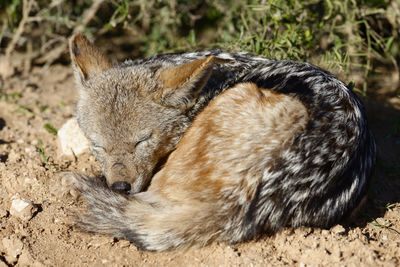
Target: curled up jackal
<point>214,146</point>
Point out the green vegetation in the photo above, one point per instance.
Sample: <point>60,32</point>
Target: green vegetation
<point>41,152</point>
<point>47,160</point>
<point>386,225</point>
<point>357,38</point>
<point>50,128</point>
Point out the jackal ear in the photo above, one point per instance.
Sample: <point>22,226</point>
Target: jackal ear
<point>182,84</point>
<point>87,60</point>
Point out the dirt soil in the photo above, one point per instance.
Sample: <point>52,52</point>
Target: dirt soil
<point>30,162</point>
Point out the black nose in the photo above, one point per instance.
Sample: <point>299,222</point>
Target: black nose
<point>121,186</point>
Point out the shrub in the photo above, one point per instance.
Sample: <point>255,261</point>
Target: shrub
<point>352,37</point>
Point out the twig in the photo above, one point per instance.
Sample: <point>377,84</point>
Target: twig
<point>3,28</point>
<point>7,69</point>
<point>26,8</point>
<point>88,15</point>
<point>56,52</point>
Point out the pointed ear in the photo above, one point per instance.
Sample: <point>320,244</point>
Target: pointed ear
<point>182,84</point>
<point>86,58</point>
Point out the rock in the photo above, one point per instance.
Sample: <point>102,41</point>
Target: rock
<point>25,259</point>
<point>13,156</point>
<point>100,241</point>
<point>303,231</point>
<point>22,208</point>
<point>124,243</point>
<point>324,232</point>
<point>338,230</point>
<point>71,139</point>
<point>13,248</point>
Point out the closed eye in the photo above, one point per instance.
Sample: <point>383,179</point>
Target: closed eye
<point>143,139</point>
<point>97,147</point>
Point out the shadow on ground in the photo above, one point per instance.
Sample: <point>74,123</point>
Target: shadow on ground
<point>384,121</point>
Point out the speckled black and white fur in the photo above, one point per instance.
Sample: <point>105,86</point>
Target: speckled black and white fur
<point>316,179</point>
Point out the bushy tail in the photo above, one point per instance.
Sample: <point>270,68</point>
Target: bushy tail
<point>146,219</point>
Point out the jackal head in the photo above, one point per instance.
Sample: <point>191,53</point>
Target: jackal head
<point>133,114</point>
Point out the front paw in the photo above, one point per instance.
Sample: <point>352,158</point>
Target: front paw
<point>67,186</point>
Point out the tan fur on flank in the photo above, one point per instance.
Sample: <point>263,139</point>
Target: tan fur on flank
<point>228,137</point>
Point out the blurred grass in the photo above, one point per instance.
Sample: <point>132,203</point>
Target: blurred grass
<point>357,38</point>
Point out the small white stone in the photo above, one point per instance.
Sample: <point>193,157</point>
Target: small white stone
<point>22,208</point>
<point>71,139</point>
<point>19,205</point>
<point>34,142</point>
<point>28,150</point>
<point>13,247</point>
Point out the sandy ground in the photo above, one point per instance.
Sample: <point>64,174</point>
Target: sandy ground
<point>49,238</point>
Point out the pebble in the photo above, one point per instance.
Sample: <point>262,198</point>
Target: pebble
<point>303,231</point>
<point>29,180</point>
<point>30,150</point>
<point>23,209</point>
<point>124,243</point>
<point>13,156</point>
<point>71,139</point>
<point>325,232</point>
<point>34,142</point>
<point>13,248</point>
<point>100,241</point>
<point>338,230</point>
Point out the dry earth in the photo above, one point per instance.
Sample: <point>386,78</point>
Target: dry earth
<point>43,234</point>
